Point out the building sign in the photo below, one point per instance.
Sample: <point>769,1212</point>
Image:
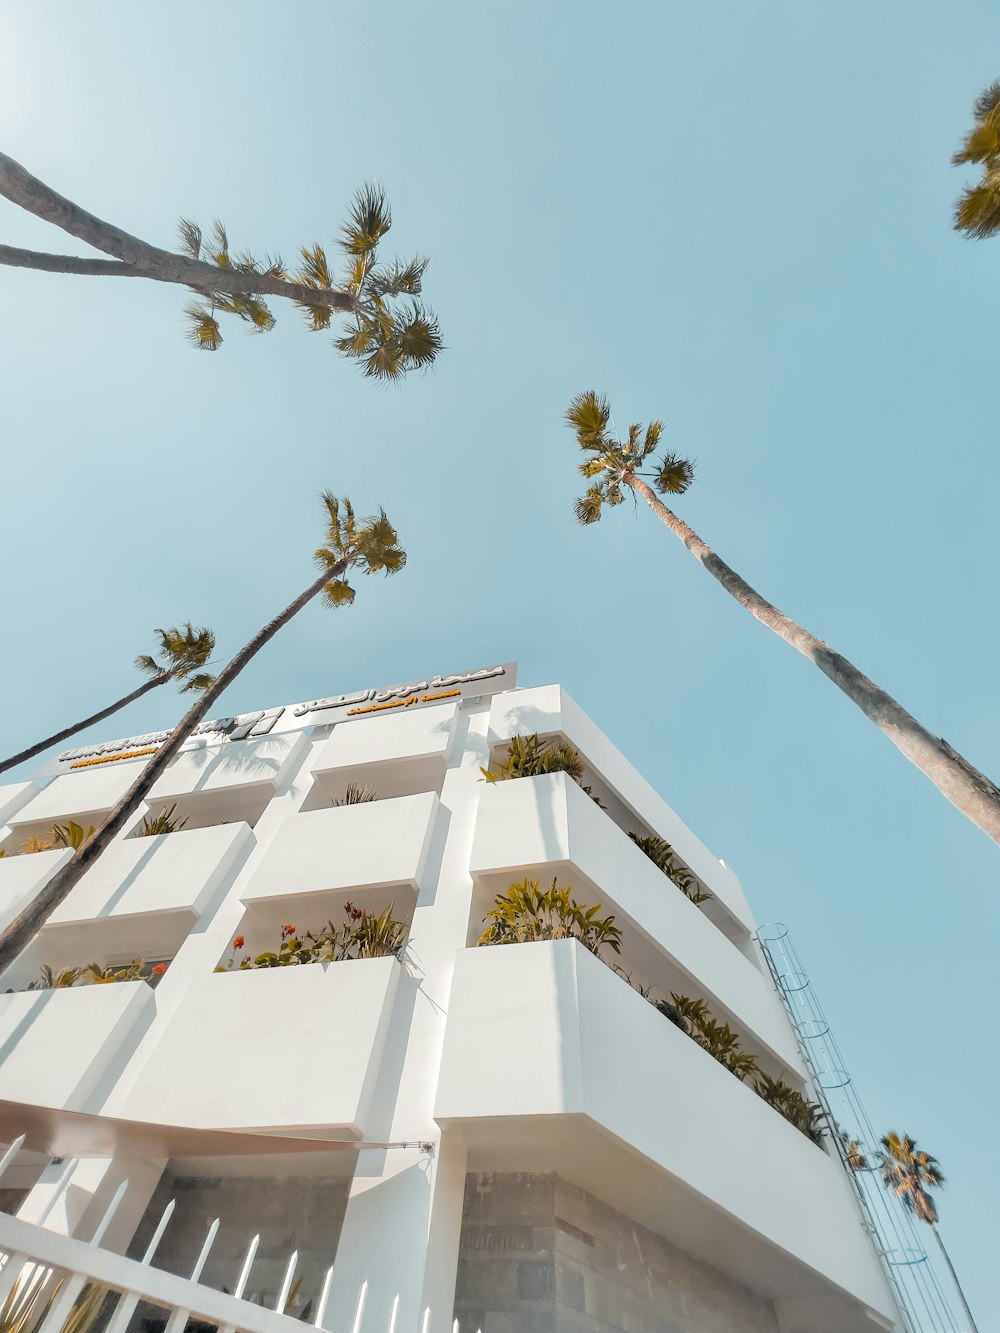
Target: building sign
<point>335,708</point>
<point>467,684</point>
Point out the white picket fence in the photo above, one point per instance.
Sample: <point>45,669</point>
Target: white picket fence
<point>46,1272</point>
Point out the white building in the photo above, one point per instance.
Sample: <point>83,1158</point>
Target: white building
<point>575,1160</point>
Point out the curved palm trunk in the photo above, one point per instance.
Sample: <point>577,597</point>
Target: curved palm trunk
<point>37,912</point>
<point>137,258</point>
<point>32,750</point>
<point>969,790</point>
<point>954,1277</point>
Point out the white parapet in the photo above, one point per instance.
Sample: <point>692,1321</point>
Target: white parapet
<point>272,1048</point>
<point>552,1061</point>
<point>548,826</point>
<point>56,1045</point>
<point>549,710</point>
<point>373,845</point>
<point>22,877</point>
<point>144,894</point>
<point>81,795</point>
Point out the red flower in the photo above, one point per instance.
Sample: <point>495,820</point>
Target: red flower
<point>239,942</point>
<point>288,930</point>
<point>348,907</point>
<point>356,914</point>
<point>159,970</point>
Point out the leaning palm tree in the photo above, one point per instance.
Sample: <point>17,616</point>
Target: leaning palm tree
<point>977,212</point>
<point>387,330</point>
<point>370,545</point>
<point>909,1173</point>
<point>613,466</point>
<point>182,653</point>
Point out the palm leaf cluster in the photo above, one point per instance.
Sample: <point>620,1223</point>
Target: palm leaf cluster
<point>389,331</point>
<point>666,859</point>
<point>526,913</point>
<point>909,1172</point>
<point>181,655</point>
<point>609,460</point>
<point>369,544</point>
<point>977,212</point>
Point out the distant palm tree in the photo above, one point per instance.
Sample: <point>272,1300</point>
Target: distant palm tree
<point>370,545</point>
<point>387,329</point>
<point>909,1173</point>
<point>977,213</point>
<point>182,654</point>
<point>612,465</point>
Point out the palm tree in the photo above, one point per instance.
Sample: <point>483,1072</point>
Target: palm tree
<point>909,1173</point>
<point>977,213</point>
<point>387,329</point>
<point>370,545</point>
<point>182,652</point>
<point>616,464</point>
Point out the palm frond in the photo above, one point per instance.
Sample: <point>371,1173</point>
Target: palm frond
<point>198,684</point>
<point>674,475</point>
<point>592,467</point>
<point>338,592</point>
<point>588,507</point>
<point>397,278</point>
<point>419,338</point>
<point>981,145</point>
<point>987,104</point>
<point>220,245</point>
<point>190,237</point>
<point>653,432</point>
<point>588,414</point>
<point>977,212</point>
<point>148,664</point>
<point>613,493</point>
<point>314,270</point>
<point>368,220</point>
<point>203,331</point>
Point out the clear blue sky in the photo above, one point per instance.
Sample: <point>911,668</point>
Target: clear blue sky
<point>734,217</point>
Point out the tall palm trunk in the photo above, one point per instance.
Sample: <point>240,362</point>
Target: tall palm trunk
<point>32,750</point>
<point>34,916</point>
<point>136,258</point>
<point>954,1277</point>
<point>969,790</point>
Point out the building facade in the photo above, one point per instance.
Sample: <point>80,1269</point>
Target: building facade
<point>536,1144</point>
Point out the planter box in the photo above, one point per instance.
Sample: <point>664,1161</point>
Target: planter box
<point>144,894</point>
<point>552,1062</point>
<point>390,750</point>
<point>550,710</point>
<point>21,878</point>
<point>376,845</point>
<point>58,1046</point>
<point>279,1048</point>
<point>549,826</point>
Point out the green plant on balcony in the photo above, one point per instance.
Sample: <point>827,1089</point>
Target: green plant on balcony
<point>357,793</point>
<point>804,1115</point>
<point>362,935</point>
<point>665,858</point>
<point>532,756</point>
<point>71,834</point>
<point>164,822</point>
<point>96,974</point>
<point>526,913</point>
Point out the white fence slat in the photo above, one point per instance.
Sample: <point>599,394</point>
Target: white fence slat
<point>11,1272</point>
<point>213,1231</point>
<point>361,1307</point>
<point>65,1300</point>
<point>161,1226</point>
<point>395,1313</point>
<point>287,1283</point>
<point>124,1311</point>
<point>177,1321</point>
<point>324,1296</point>
<point>11,1153</point>
<point>109,1213</point>
<point>247,1265</point>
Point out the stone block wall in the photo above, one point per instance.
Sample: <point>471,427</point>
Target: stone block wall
<point>290,1211</point>
<point>539,1255</point>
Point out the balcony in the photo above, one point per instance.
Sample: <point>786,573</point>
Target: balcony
<point>21,878</point>
<point>549,710</point>
<point>552,1063</point>
<point>397,753</point>
<point>377,849</point>
<point>86,797</point>
<point>547,826</point>
<point>276,1048</point>
<point>57,1047</point>
<point>14,795</point>
<point>144,894</point>
<point>225,784</point>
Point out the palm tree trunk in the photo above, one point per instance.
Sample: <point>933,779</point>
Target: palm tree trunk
<point>968,790</point>
<point>138,258</point>
<point>32,750</point>
<point>954,1277</point>
<point>24,927</point>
